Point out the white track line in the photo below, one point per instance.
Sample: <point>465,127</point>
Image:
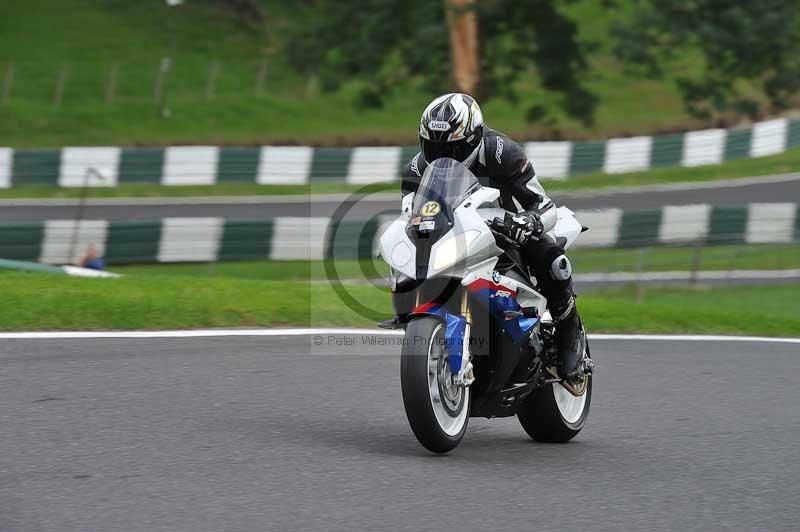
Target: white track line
<point>694,338</point>
<point>215,333</point>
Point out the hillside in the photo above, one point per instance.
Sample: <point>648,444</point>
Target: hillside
<point>58,57</point>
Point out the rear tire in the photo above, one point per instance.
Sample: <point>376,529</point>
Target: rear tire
<point>437,411</point>
<point>551,414</point>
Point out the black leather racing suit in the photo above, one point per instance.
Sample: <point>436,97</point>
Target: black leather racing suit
<point>501,163</point>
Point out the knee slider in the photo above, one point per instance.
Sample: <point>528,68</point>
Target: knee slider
<point>561,268</point>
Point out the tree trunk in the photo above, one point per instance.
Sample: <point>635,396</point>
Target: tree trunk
<point>463,24</point>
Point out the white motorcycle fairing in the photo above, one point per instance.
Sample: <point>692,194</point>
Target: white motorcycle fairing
<point>468,251</point>
<point>478,339</point>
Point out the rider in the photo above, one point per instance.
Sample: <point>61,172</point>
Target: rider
<point>452,126</point>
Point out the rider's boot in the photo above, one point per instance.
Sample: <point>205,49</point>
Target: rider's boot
<point>568,337</point>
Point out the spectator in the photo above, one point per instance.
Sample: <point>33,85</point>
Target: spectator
<point>91,259</point>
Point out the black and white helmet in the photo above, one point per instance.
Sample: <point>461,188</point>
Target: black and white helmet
<point>451,126</point>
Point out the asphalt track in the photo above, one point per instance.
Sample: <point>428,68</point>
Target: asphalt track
<point>275,433</point>
<point>738,191</point>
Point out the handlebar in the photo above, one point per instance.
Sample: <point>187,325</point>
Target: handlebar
<point>497,225</point>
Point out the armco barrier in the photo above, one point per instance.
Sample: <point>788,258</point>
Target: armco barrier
<point>288,238</point>
<point>284,165</point>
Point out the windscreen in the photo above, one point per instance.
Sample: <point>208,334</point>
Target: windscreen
<point>444,185</point>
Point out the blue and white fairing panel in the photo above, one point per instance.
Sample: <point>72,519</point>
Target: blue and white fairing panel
<point>499,300</point>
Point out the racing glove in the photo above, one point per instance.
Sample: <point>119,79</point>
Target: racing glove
<point>522,227</point>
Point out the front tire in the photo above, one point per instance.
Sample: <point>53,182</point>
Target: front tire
<point>437,410</point>
<point>551,414</point>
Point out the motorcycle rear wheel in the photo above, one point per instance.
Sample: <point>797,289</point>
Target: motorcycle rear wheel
<point>437,410</point>
<point>551,414</point>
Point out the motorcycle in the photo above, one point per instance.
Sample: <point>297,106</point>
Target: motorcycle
<point>479,340</point>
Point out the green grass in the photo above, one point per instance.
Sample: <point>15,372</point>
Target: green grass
<point>775,164</point>
<point>587,260</point>
<point>48,302</point>
<point>704,310</point>
<point>36,302</point>
<point>262,270</point>
<point>85,37</point>
<point>735,257</point>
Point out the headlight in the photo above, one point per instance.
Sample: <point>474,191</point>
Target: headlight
<point>401,255</point>
<point>453,249</point>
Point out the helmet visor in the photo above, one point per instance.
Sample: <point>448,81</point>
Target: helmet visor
<point>458,150</point>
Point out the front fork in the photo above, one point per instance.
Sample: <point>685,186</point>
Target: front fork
<point>457,331</point>
<point>465,376</point>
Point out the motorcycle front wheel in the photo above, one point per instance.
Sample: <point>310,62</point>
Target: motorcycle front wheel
<point>437,409</point>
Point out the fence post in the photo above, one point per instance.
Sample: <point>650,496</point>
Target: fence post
<point>732,260</point>
<point>640,289</point>
<point>312,86</point>
<point>61,81</point>
<point>213,70</point>
<point>111,82</point>
<point>73,244</point>
<point>261,76</point>
<point>696,255</point>
<point>161,80</point>
<point>7,80</point>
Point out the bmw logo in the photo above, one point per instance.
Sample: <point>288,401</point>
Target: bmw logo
<point>496,277</point>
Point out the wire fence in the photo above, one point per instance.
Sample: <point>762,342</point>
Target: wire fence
<point>167,81</point>
<point>156,82</point>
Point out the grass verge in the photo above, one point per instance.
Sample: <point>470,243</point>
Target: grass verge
<point>734,257</point>
<point>290,270</point>
<point>588,260</point>
<point>46,302</point>
<point>776,164</point>
<point>48,40</point>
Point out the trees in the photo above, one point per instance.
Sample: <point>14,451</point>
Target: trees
<point>521,36</point>
<point>391,42</point>
<point>749,52</point>
<point>757,43</point>
<point>248,10</point>
<point>381,42</point>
